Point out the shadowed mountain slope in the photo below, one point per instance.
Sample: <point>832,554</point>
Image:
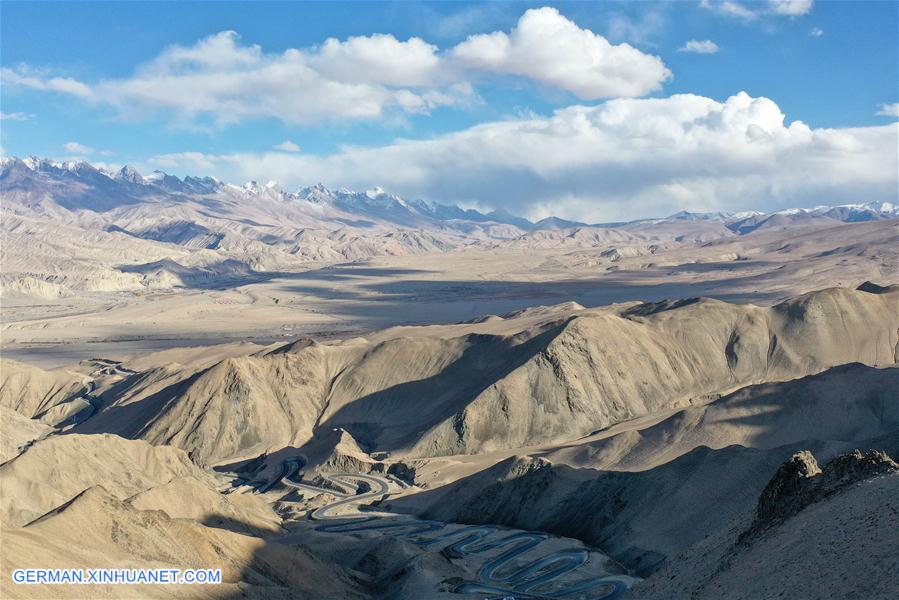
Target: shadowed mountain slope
<point>516,383</point>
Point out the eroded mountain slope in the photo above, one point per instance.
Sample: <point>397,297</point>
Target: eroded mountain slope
<point>648,494</point>
<point>100,501</point>
<point>569,374</point>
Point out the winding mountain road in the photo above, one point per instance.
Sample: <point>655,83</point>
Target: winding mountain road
<point>379,488</point>
<point>497,576</point>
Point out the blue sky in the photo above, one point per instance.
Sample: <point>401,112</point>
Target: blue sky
<point>831,65</point>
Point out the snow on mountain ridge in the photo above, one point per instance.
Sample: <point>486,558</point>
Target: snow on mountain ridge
<point>875,206</point>
<point>381,204</point>
<point>129,173</point>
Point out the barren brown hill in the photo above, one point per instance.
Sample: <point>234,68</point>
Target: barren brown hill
<point>97,530</point>
<point>846,537</point>
<point>17,432</point>
<point>648,494</point>
<point>100,501</point>
<point>517,382</point>
<point>55,469</point>
<point>31,390</point>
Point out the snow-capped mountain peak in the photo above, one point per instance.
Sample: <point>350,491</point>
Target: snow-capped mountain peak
<point>103,190</point>
<point>130,174</point>
<point>745,214</point>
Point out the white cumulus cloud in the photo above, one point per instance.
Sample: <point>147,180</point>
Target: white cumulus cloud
<point>230,82</point>
<point>549,48</point>
<point>791,8</point>
<point>287,146</point>
<point>77,148</point>
<point>625,158</point>
<point>379,59</point>
<point>219,80</point>
<point>889,110</point>
<point>700,47</point>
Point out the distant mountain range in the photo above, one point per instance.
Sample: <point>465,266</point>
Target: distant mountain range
<point>79,186</point>
<point>71,228</point>
<point>39,183</point>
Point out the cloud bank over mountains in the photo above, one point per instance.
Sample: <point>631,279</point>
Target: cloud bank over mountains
<point>220,80</point>
<point>625,158</point>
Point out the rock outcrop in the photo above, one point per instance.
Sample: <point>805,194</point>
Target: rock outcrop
<point>800,482</point>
